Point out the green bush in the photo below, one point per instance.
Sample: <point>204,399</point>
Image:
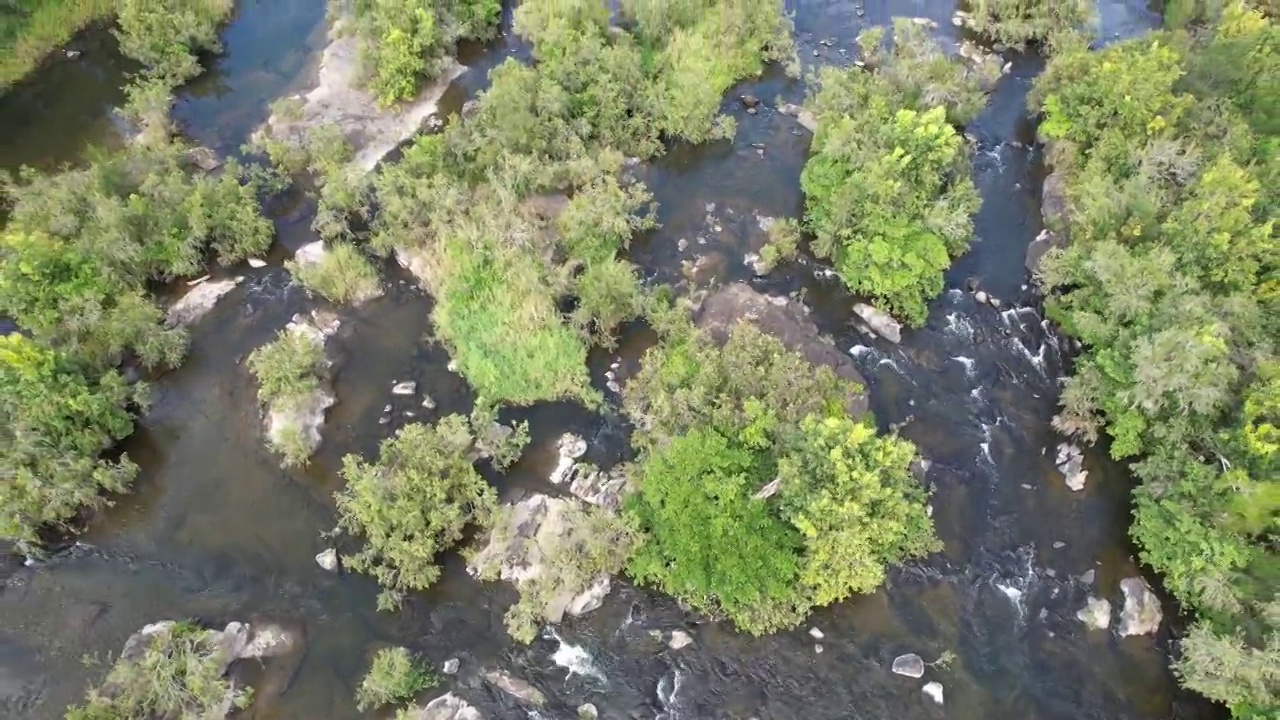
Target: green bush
<point>343,275</point>
<point>412,505</point>
<point>31,29</point>
<point>1170,283</point>
<point>783,243</point>
<point>163,36</point>
<point>288,367</point>
<point>393,676</point>
<point>56,423</point>
<point>1049,23</point>
<point>179,675</point>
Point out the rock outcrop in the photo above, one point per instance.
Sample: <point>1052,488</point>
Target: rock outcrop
<point>679,639</point>
<point>199,301</point>
<point>515,687</point>
<point>807,119</point>
<point>785,320</point>
<point>880,322</point>
<point>1096,613</point>
<point>1054,208</point>
<point>445,707</point>
<point>1070,462</point>
<point>910,665</point>
<point>1142,613</point>
<point>339,100</point>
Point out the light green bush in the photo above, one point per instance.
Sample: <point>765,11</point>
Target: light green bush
<point>343,275</point>
<point>395,675</point>
<point>288,367</point>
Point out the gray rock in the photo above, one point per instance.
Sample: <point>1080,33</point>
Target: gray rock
<point>1044,242</point>
<point>750,100</point>
<point>406,387</point>
<point>445,707</point>
<point>933,690</point>
<point>591,598</point>
<point>981,296</point>
<point>1070,462</point>
<point>587,711</point>
<point>1086,577</point>
<point>910,665</point>
<point>815,633</point>
<point>1054,202</point>
<point>204,158</point>
<point>769,490</point>
<point>1096,613</point>
<point>328,560</point>
<point>817,648</point>
<point>1142,613</point>
<point>199,301</point>
<point>73,54</point>
<point>517,688</point>
<point>756,263</point>
<point>807,119</point>
<point>882,323</point>
<point>288,418</point>
<point>257,263</point>
<point>679,639</point>
<point>450,666</point>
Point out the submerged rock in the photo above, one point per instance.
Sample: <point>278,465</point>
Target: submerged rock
<point>1096,613</point>
<point>679,639</point>
<point>881,322</point>
<point>933,690</point>
<point>787,322</point>
<point>338,100</point>
<point>445,707</point>
<point>1070,462</point>
<point>1142,613</point>
<point>910,665</point>
<point>515,687</point>
<point>406,387</point>
<point>199,301</point>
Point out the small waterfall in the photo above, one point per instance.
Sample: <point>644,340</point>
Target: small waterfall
<point>959,326</point>
<point>1016,588</point>
<point>575,659</point>
<point>668,690</point>
<point>967,362</point>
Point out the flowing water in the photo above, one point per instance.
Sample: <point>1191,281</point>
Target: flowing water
<point>215,531</point>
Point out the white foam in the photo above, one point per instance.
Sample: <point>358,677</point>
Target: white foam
<point>967,362</point>
<point>575,659</point>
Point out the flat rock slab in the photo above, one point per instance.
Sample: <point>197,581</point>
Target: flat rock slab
<point>445,707</point>
<point>783,319</point>
<point>1142,613</point>
<point>199,301</point>
<point>339,100</point>
<point>910,665</point>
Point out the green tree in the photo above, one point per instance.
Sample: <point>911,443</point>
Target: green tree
<point>395,675</point>
<point>412,505</point>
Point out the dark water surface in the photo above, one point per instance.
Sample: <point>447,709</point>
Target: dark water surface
<point>215,531</point>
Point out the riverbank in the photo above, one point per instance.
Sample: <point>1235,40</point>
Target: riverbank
<point>32,30</point>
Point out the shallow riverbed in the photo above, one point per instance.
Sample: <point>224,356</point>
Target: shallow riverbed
<point>215,531</point>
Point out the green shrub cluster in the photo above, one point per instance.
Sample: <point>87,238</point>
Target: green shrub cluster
<point>395,675</point>
<point>1051,24</point>
<point>403,42</point>
<point>412,505</point>
<point>288,367</point>
<point>343,275</point>
<point>30,29</point>
<point>1168,146</point>
<point>477,209</point>
<point>718,427</point>
<point>178,675</point>
<point>888,188</point>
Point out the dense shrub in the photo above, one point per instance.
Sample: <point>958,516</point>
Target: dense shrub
<point>163,36</point>
<point>1170,283</point>
<point>1051,24</point>
<point>178,675</point>
<point>55,422</point>
<point>30,29</point>
<point>717,427</point>
<point>343,275</point>
<point>403,42</point>
<point>394,675</point>
<point>412,505</point>
<point>889,197</point>
<point>288,367</point>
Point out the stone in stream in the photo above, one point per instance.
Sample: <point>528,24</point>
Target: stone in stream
<point>679,639</point>
<point>257,263</point>
<point>203,158</point>
<point>880,321</point>
<point>807,119</point>
<point>1096,613</point>
<point>445,707</point>
<point>910,665</point>
<point>1070,462</point>
<point>340,100</point>
<point>405,387</point>
<point>587,711</point>
<point>1141,614</point>
<point>933,690</point>
<point>787,322</point>
<point>450,666</point>
<point>328,560</point>
<point>815,633</point>
<point>981,296</point>
<point>515,687</point>
<point>199,301</point>
<point>750,101</point>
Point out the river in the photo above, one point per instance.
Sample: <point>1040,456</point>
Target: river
<point>214,530</point>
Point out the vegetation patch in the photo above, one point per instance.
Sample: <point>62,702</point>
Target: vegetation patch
<point>179,674</point>
<point>394,676</point>
<point>403,43</point>
<point>889,192</point>
<point>342,274</point>
<point>1049,24</point>
<point>1170,282</point>
<point>31,29</point>
<point>412,505</point>
<point>758,496</point>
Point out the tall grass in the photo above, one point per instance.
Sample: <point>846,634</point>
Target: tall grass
<point>31,29</point>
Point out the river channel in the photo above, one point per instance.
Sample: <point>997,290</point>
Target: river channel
<point>214,530</point>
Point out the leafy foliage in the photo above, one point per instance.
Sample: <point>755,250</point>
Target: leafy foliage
<point>288,367</point>
<point>719,427</point>
<point>889,197</point>
<point>30,29</point>
<point>1170,283</point>
<point>412,504</point>
<point>162,36</point>
<point>403,42</point>
<point>343,275</point>
<point>1049,23</point>
<point>393,676</point>
<point>178,675</point>
<point>56,422</point>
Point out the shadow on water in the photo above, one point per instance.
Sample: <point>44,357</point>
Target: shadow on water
<point>215,530</point>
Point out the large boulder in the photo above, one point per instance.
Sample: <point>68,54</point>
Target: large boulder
<point>340,100</point>
<point>515,687</point>
<point>910,665</point>
<point>198,301</point>
<point>1142,613</point>
<point>1070,462</point>
<point>445,707</point>
<point>1096,613</point>
<point>880,322</point>
<point>1054,201</point>
<point>1047,240</point>
<point>783,319</point>
<point>315,253</point>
